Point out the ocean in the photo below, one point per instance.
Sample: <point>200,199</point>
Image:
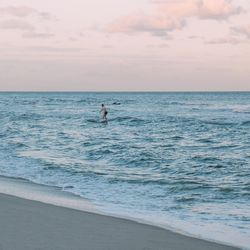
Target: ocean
<point>177,160</point>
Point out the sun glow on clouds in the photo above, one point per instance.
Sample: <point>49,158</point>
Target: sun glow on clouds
<point>173,15</point>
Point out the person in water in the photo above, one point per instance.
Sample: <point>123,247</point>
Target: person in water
<point>104,112</point>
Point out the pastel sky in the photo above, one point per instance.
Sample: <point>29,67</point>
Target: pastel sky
<point>125,45</point>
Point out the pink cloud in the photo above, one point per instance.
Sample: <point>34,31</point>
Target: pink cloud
<point>18,21</point>
<point>243,30</point>
<point>28,29</point>
<point>24,11</point>
<point>216,9</point>
<point>14,24</point>
<point>21,11</point>
<point>33,34</point>
<point>173,15</point>
<point>178,9</point>
<point>225,40</point>
<point>141,22</point>
<point>203,9</point>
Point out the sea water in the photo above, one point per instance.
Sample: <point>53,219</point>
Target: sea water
<point>178,160</point>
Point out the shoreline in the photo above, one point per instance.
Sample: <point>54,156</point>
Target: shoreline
<point>29,192</point>
<point>25,189</point>
<point>30,224</point>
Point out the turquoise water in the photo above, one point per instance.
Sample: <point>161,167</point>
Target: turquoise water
<point>180,160</point>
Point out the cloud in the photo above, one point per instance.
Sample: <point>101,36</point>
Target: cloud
<point>56,49</point>
<point>173,15</point>
<point>217,9</point>
<point>29,31</point>
<point>242,30</point>
<point>108,46</point>
<point>194,37</point>
<point>37,35</point>
<point>20,11</point>
<point>14,24</point>
<point>202,9</point>
<point>224,40</point>
<point>21,21</point>
<point>157,25</point>
<point>24,11</point>
<point>158,46</point>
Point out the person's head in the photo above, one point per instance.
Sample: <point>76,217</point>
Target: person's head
<point>102,105</point>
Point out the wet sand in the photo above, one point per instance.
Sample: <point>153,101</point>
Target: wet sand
<point>26,225</point>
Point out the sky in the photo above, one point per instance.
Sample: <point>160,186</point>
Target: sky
<point>125,45</point>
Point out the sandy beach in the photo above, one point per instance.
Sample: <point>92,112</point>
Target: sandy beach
<point>27,224</point>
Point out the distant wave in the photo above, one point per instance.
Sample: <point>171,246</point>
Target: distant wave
<point>241,109</point>
<point>219,123</point>
<point>127,119</point>
<point>245,123</point>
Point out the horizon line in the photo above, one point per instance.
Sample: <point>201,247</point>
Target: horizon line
<point>123,91</point>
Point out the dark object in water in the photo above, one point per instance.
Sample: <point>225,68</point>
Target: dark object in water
<point>116,103</point>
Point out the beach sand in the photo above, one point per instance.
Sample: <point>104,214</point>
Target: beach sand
<point>26,224</point>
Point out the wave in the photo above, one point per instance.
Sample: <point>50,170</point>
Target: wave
<point>205,158</point>
<point>120,119</point>
<point>219,123</point>
<point>217,166</point>
<point>185,199</point>
<point>198,104</point>
<point>19,144</point>
<point>245,123</point>
<point>26,116</point>
<point>206,140</point>
<point>177,138</point>
<point>225,146</point>
<point>241,109</point>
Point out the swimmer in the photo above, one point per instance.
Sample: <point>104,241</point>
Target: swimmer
<point>104,113</point>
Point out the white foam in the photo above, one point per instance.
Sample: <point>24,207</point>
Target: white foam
<point>214,232</point>
<point>46,194</point>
